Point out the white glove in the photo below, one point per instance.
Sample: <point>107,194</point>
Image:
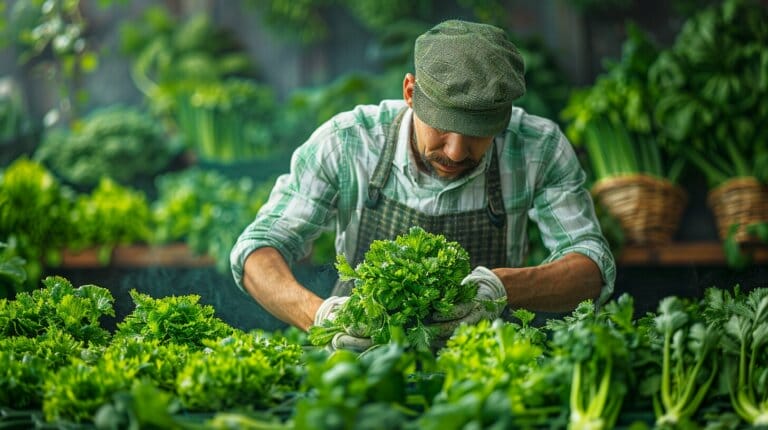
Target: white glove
<point>342,340</point>
<point>328,309</point>
<point>488,304</point>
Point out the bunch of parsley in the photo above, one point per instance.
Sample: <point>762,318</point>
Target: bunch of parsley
<point>58,305</point>
<point>501,374</point>
<point>177,319</point>
<point>243,369</point>
<point>400,284</point>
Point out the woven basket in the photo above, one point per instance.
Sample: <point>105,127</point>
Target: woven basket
<point>648,208</point>
<point>739,201</point>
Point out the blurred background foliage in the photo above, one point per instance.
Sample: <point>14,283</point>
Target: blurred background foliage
<point>212,112</point>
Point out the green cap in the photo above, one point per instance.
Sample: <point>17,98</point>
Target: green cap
<point>467,75</point>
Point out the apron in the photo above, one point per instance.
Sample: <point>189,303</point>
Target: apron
<point>481,232</point>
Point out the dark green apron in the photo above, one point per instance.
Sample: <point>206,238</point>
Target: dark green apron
<point>481,232</point>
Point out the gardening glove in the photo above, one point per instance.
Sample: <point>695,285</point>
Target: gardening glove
<point>488,304</point>
<point>342,340</point>
<point>328,309</point>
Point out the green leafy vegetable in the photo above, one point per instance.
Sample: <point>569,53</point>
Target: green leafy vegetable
<point>77,391</point>
<point>77,311</point>
<point>26,363</point>
<point>496,366</point>
<point>347,391</point>
<point>120,142</point>
<point>598,345</point>
<point>151,359</point>
<point>111,215</point>
<point>206,210</point>
<point>689,363</point>
<point>227,121</point>
<point>400,284</point>
<point>21,379</point>
<point>238,370</point>
<point>613,119</point>
<point>34,215</point>
<point>744,347</point>
<point>712,85</point>
<point>178,319</point>
<point>166,50</point>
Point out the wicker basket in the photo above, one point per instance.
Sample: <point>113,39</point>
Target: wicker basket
<point>648,208</point>
<point>739,201</point>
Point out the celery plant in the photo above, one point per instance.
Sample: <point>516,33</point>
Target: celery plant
<point>613,120</point>
<point>746,339</point>
<point>599,345</point>
<point>226,120</point>
<point>689,362</point>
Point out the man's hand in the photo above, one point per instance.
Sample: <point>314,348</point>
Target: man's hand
<point>328,309</point>
<point>345,339</point>
<point>488,304</point>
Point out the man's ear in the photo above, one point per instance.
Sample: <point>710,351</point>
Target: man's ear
<point>408,82</point>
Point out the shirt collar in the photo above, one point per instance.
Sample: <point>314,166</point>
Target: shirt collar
<point>405,162</point>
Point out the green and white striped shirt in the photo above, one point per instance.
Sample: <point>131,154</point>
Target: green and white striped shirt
<point>327,187</point>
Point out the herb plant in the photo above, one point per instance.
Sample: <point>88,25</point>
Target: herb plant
<point>712,84</point>
<point>77,311</point>
<point>34,215</point>
<point>12,273</point>
<point>613,119</point>
<point>110,215</point>
<point>690,361</point>
<point>120,142</point>
<point>598,344</point>
<point>152,359</point>
<point>399,284</point>
<point>239,370</point>
<point>227,121</point>
<point>27,362</point>
<point>348,391</point>
<point>207,210</point>
<point>75,392</point>
<point>178,319</point>
<point>495,377</point>
<point>21,379</point>
<point>744,349</point>
<point>166,50</point>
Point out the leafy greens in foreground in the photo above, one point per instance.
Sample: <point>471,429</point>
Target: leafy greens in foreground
<point>744,346</point>
<point>689,363</point>
<point>172,364</point>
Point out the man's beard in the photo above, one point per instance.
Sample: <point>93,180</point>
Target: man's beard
<point>468,164</point>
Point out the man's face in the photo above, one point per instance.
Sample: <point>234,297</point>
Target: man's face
<point>446,154</point>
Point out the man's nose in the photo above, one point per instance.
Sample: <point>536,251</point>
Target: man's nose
<point>456,147</point>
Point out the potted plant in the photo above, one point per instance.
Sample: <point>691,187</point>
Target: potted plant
<point>635,176</point>
<point>713,86</point>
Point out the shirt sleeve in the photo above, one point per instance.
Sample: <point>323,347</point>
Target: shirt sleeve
<point>300,205</point>
<point>565,213</point>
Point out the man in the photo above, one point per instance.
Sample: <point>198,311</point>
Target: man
<point>454,157</point>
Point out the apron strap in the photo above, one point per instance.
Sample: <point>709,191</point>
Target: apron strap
<point>496,211</point>
<point>383,167</point>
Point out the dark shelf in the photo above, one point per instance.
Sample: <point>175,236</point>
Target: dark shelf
<point>129,256</point>
<point>709,253</point>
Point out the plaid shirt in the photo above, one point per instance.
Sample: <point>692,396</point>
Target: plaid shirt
<point>327,188</point>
